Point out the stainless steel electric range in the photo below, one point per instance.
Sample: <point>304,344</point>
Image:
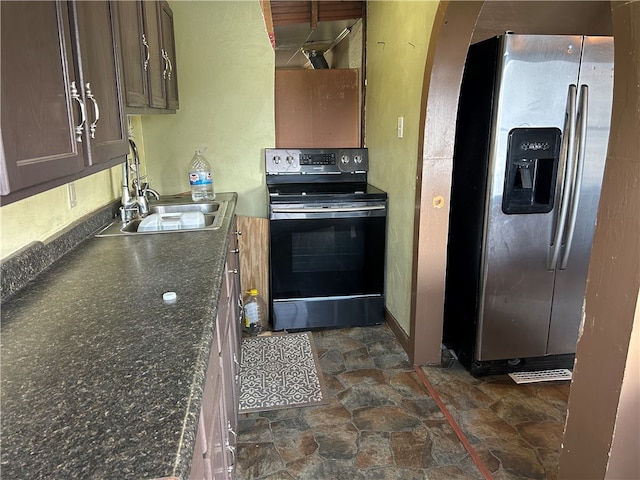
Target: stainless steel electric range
<point>327,239</point>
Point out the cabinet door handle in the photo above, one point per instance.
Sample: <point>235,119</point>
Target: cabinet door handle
<point>232,449</point>
<point>230,430</point>
<point>148,56</point>
<point>76,96</point>
<point>166,64</point>
<point>170,67</point>
<point>96,111</point>
<point>235,250</point>
<point>231,468</point>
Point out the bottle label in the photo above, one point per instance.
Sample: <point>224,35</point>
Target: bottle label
<point>200,178</point>
<point>251,314</point>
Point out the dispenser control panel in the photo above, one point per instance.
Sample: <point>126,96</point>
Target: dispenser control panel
<point>533,156</point>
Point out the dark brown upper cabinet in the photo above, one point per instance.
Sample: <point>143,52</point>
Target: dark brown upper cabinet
<point>147,42</point>
<point>62,111</point>
<point>169,47</point>
<point>97,54</point>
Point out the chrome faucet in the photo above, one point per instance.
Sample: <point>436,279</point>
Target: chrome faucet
<point>136,205</point>
<point>129,207</point>
<point>147,190</point>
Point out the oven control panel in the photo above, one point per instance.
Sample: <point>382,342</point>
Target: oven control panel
<point>328,161</point>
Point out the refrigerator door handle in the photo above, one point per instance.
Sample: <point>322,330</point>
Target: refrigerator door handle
<point>568,160</point>
<point>577,184</point>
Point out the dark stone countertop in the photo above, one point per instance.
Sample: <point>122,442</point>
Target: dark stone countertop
<point>101,378</point>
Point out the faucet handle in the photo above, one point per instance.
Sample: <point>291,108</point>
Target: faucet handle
<point>143,205</point>
<point>142,184</point>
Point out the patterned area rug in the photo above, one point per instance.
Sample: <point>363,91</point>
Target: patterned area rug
<point>280,371</point>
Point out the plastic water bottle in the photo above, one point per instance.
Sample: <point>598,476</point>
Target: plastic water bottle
<point>253,316</point>
<point>200,178</point>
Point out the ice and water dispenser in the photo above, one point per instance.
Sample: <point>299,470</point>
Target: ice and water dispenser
<point>532,166</point>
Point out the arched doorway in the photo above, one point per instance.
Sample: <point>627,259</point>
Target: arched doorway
<point>455,26</point>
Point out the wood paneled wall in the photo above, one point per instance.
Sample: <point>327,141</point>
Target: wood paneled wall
<point>317,108</point>
<point>254,255</point>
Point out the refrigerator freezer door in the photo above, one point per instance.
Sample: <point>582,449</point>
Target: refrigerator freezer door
<point>517,288</point>
<point>596,73</point>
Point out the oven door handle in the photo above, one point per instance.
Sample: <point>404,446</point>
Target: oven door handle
<point>326,209</point>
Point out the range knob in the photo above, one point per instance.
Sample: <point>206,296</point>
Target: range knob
<point>345,159</point>
<point>276,159</point>
<point>357,158</point>
<point>290,160</point>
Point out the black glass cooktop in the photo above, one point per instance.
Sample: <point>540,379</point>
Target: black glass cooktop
<point>343,191</point>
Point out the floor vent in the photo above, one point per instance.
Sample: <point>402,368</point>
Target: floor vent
<point>541,376</point>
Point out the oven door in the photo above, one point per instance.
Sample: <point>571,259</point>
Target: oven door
<point>327,264</point>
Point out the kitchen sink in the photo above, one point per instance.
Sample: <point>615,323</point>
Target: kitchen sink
<point>172,214</point>
<point>209,208</point>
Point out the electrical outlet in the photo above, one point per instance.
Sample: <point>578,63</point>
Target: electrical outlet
<point>400,127</point>
<point>71,190</point>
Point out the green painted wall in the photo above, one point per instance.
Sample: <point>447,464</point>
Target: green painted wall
<point>397,39</point>
<point>42,216</point>
<point>225,66</point>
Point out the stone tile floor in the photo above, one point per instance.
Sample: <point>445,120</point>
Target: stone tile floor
<point>515,429</point>
<point>382,424</point>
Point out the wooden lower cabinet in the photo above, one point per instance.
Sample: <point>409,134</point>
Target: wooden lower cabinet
<point>214,456</point>
<point>198,464</point>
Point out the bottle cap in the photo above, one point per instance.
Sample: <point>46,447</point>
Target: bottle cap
<point>169,297</point>
<point>253,292</point>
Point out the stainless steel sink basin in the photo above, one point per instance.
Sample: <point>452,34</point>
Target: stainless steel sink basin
<point>172,207</point>
<point>209,208</point>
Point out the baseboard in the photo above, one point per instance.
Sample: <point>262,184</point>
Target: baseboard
<point>397,330</point>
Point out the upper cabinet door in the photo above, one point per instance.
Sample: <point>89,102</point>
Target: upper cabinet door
<point>153,31</point>
<point>146,34</point>
<point>39,113</point>
<point>168,43</point>
<point>136,53</point>
<point>99,63</point>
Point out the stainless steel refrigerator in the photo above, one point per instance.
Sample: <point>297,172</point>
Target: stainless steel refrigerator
<point>531,143</point>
